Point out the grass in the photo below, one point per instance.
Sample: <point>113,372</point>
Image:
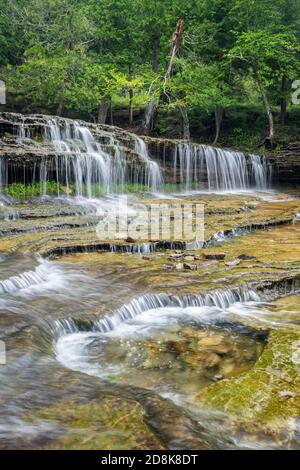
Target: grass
<point>26,191</point>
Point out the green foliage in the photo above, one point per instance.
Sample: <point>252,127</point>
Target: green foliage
<point>24,191</point>
<point>75,54</point>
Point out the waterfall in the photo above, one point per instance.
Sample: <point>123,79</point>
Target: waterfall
<point>153,177</point>
<point>89,160</point>
<point>3,174</point>
<point>223,170</point>
<point>221,299</point>
<point>78,161</point>
<point>46,274</point>
<point>95,171</point>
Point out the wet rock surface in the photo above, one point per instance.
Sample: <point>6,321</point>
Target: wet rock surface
<point>207,358</point>
<point>131,344</point>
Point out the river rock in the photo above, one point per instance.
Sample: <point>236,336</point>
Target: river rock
<point>175,256</point>
<point>245,257</point>
<point>169,266</point>
<point>147,257</point>
<point>233,263</point>
<point>212,360</point>
<point>189,258</point>
<point>210,341</point>
<point>130,240</point>
<point>216,256</point>
<point>190,267</point>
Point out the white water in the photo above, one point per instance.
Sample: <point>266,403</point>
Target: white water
<point>83,165</point>
<point>140,319</point>
<point>47,278</point>
<point>220,299</point>
<point>222,170</point>
<point>90,166</point>
<point>153,176</point>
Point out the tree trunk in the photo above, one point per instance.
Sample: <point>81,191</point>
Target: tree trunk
<point>270,140</point>
<point>148,121</point>
<point>103,110</point>
<point>130,106</point>
<point>61,106</point>
<point>219,112</point>
<point>111,113</point>
<point>176,42</point>
<point>283,100</point>
<point>185,123</point>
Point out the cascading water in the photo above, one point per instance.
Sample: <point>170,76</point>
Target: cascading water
<point>223,170</point>
<point>147,342</point>
<point>221,299</point>
<point>153,176</point>
<point>80,163</point>
<point>89,161</point>
<point>94,170</point>
<point>47,275</point>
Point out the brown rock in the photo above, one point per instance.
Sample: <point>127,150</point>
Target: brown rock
<point>147,257</point>
<point>130,240</point>
<point>212,360</point>
<point>217,256</point>
<point>245,257</point>
<point>211,341</point>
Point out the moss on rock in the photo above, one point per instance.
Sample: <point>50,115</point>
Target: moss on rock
<point>266,398</point>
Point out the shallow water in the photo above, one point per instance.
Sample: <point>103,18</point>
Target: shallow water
<point>76,338</point>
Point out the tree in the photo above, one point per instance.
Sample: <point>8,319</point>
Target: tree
<point>73,80</point>
<point>260,44</point>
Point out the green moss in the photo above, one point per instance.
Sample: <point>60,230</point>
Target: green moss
<point>106,423</point>
<point>264,398</point>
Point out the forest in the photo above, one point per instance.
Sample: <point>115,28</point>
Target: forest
<point>216,70</point>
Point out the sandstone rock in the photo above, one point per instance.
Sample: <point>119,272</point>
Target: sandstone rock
<point>228,368</point>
